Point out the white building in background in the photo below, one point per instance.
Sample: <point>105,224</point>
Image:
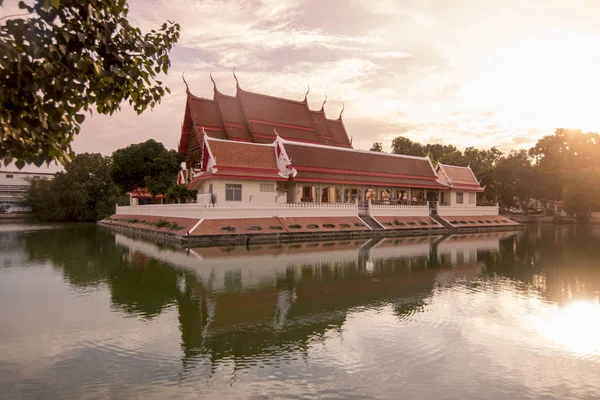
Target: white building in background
<point>13,187</point>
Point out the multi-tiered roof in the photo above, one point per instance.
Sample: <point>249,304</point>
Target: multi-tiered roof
<point>253,117</point>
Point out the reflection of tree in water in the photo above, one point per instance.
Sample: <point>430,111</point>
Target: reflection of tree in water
<point>89,257</point>
<point>558,262</point>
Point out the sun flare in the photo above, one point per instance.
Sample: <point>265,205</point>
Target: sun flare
<point>576,327</point>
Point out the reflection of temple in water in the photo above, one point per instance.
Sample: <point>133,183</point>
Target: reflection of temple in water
<point>239,302</point>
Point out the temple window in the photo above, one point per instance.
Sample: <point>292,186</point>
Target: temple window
<point>233,192</point>
<point>307,194</point>
<point>459,197</point>
<point>267,187</point>
<point>9,176</point>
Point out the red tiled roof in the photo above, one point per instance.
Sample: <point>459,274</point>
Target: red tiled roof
<point>320,122</point>
<point>339,132</point>
<point>144,194</point>
<point>460,176</point>
<point>243,155</point>
<point>204,112</point>
<point>241,160</point>
<point>274,109</point>
<point>337,159</point>
<point>233,117</point>
<point>254,117</point>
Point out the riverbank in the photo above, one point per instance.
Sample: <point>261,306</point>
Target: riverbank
<point>542,219</point>
<point>163,235</point>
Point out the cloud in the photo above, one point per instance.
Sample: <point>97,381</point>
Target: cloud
<point>486,75</point>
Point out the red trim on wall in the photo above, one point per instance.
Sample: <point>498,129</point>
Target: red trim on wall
<point>364,173</point>
<point>249,178</point>
<point>235,125</point>
<point>209,128</point>
<point>352,183</point>
<point>302,128</point>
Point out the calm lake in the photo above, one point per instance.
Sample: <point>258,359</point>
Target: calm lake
<point>87,313</point>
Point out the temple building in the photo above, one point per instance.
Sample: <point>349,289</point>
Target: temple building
<point>269,166</point>
<point>254,148</point>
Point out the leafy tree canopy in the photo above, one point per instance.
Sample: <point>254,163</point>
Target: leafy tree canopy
<point>83,192</point>
<point>68,57</point>
<point>146,165</point>
<point>377,147</point>
<point>402,145</point>
<point>180,194</point>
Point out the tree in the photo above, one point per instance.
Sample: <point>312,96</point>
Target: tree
<point>180,194</point>
<point>402,145</point>
<point>377,147</point>
<point>68,57</point>
<point>83,192</point>
<point>146,165</point>
<point>581,194</point>
<point>515,178</point>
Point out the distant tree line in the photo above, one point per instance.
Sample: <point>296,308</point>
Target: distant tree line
<point>562,166</point>
<point>91,184</point>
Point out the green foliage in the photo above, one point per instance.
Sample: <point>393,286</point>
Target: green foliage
<point>180,194</point>
<point>146,165</point>
<point>560,166</point>
<point>295,226</point>
<point>83,192</point>
<point>402,145</point>
<point>69,57</point>
<point>377,147</point>
<point>581,193</point>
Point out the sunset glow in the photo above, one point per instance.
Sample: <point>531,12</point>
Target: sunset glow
<point>452,72</point>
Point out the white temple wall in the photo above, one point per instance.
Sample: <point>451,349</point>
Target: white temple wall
<point>468,210</point>
<point>251,191</point>
<point>397,210</point>
<point>241,210</point>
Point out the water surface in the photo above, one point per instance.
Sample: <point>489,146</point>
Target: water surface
<point>87,313</point>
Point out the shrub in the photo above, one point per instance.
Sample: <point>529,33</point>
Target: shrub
<point>276,227</point>
<point>254,228</point>
<point>328,226</point>
<point>228,229</point>
<point>162,223</point>
<point>175,226</point>
<point>344,225</point>
<point>398,223</point>
<point>312,226</point>
<point>359,225</point>
<point>295,226</point>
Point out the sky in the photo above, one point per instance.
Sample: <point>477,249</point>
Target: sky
<point>464,72</point>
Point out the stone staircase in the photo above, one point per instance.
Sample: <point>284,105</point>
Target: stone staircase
<point>371,223</point>
<point>441,221</point>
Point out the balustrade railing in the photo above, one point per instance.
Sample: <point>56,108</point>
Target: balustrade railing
<point>249,205</point>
